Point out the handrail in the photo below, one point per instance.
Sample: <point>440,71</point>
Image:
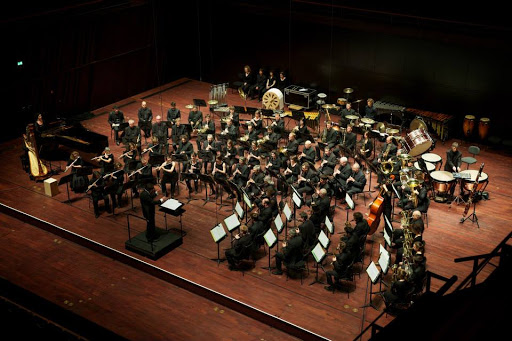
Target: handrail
<point>478,267</point>
<point>129,231</point>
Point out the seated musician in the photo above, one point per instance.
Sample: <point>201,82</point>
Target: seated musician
<point>240,249</point>
<point>369,110</point>
<point>219,173</point>
<point>349,111</point>
<point>329,135</point>
<point>273,137</point>
<point>278,125</point>
<point>340,263</point>
<point>208,128</point>
<point>341,175</point>
<point>258,228</point>
<point>160,131</point>
<point>256,182</point>
<point>97,188</point>
<point>348,140</point>
<point>274,163</point>
<point>185,147</point>
<point>282,82</point>
<point>366,144</point>
<point>291,174</point>
<point>145,118</point>
<point>230,154</point>
<point>131,134</point>
<point>399,291</point>
<point>418,272</point>
<point>308,153</point>
<point>195,118</point>
<point>247,79</point>
<point>320,207</point>
<point>266,212</point>
<point>292,148</point>
<point>170,175</point>
<point>421,193</point>
<point>324,184</point>
<point>291,253</point>
<point>130,157</point>
<point>154,149</point>
<point>388,150</point>
<point>106,161</point>
<point>356,181</point>
<point>193,167</point>
<point>177,131</point>
<point>362,228</point>
<point>307,230</point>
<point>256,90</point>
<point>417,236</point>
<point>115,119</point>
<point>271,81</point>
<point>307,180</point>
<point>301,130</point>
<point>231,130</point>
<point>234,116</point>
<point>114,185</point>
<point>328,162</point>
<point>211,146</point>
<point>241,173</point>
<point>173,113</point>
<point>140,176</point>
<point>254,154</point>
<point>398,233</point>
<point>78,182</point>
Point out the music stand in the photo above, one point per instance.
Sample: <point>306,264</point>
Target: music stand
<point>319,255</point>
<point>130,185</point>
<point>235,189</point>
<point>218,234</point>
<point>329,225</point>
<point>472,217</point>
<point>374,275</point>
<point>174,208</point>
<point>221,183</point>
<point>191,177</point>
<point>297,201</point>
<point>232,223</point>
<point>206,179</point>
<point>248,203</point>
<point>199,103</point>
<point>388,231</point>
<point>156,159</point>
<point>350,203</point>
<point>240,110</point>
<point>239,210</point>
<point>288,214</point>
<point>271,240</point>
<point>65,180</point>
<point>278,222</point>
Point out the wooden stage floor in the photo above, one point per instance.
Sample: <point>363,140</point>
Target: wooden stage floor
<point>31,258</point>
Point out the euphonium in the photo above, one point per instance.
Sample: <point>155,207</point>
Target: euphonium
<point>386,167</point>
<point>242,94</point>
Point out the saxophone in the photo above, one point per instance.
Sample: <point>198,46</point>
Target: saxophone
<point>386,152</point>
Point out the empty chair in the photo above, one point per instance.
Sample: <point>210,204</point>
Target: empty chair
<point>471,160</point>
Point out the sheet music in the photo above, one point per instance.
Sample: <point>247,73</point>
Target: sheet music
<point>381,249</point>
<point>279,223</point>
<point>388,223</point>
<point>349,201</point>
<point>384,262</point>
<point>218,233</point>
<point>247,201</point>
<point>322,238</point>
<point>172,204</point>
<point>239,210</point>
<point>396,192</point>
<point>232,222</point>
<point>318,252</point>
<point>270,238</point>
<point>329,225</point>
<point>297,200</point>
<point>386,237</point>
<point>373,272</point>
<point>287,212</point>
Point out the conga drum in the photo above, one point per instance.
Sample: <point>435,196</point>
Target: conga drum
<point>468,125</point>
<point>483,128</point>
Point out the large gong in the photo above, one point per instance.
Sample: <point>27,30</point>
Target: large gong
<point>273,99</point>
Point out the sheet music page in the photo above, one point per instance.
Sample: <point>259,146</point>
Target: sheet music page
<point>318,252</point>
<point>384,262</point>
<point>329,225</point>
<point>297,200</point>
<point>349,201</point>
<point>239,210</point>
<point>322,238</point>
<point>270,238</point>
<point>373,272</point>
<point>279,223</point>
<point>287,212</point>
<point>388,223</point>
<point>218,233</point>
<point>247,201</point>
<point>381,249</point>
<point>232,222</point>
<point>387,238</point>
<point>172,204</point>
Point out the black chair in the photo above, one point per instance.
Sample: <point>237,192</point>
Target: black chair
<point>349,276</point>
<point>297,267</point>
<point>360,256</point>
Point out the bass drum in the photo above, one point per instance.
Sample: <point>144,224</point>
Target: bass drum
<point>418,123</point>
<point>417,142</point>
<point>273,99</point>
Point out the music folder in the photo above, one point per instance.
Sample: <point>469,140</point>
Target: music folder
<point>349,201</point>
<point>318,253</point>
<point>172,204</point>
<point>218,233</point>
<point>232,222</point>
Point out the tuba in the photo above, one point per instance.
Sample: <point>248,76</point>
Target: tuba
<point>387,167</point>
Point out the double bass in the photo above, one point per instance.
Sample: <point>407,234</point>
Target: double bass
<point>38,170</point>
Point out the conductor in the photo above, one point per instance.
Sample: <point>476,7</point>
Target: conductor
<point>148,202</point>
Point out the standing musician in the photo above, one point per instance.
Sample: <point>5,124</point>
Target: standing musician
<point>278,125</point>
<point>194,167</point>
<point>219,172</point>
<point>145,119</point>
<point>241,173</point>
<point>257,89</point>
<point>173,113</point>
<point>282,82</point>
<point>207,129</point>
<point>291,253</point>
<point>247,79</point>
<point>115,181</point>
<point>97,188</point>
<point>212,146</point>
<point>177,131</point>
<point>130,157</point>
<point>308,153</point>
<point>131,134</point>
<point>148,202</point>
<point>306,180</point>
<point>356,181</point>
<point>256,182</point>
<point>340,263</point>
<point>274,163</point>
<point>453,159</point>
<point>254,153</point>
<point>328,162</point>
<point>40,126</point>
<point>320,207</point>
<point>106,161</point>
<point>160,131</point>
<point>349,111</point>
<point>78,182</point>
<point>240,249</point>
<point>195,118</point>
<point>307,230</point>
<point>301,130</point>
<point>115,119</point>
<point>185,147</point>
<point>291,174</point>
<point>271,81</point>
<point>369,109</point>
<point>170,170</point>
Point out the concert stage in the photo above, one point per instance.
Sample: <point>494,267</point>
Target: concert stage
<point>179,294</point>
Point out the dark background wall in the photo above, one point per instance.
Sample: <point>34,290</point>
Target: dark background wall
<point>81,55</point>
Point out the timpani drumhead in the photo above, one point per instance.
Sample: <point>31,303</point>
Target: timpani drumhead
<point>473,173</point>
<point>431,157</point>
<point>442,176</point>
<point>430,166</point>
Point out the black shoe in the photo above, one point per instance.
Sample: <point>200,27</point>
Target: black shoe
<point>213,192</point>
<point>277,272</point>
<point>329,288</point>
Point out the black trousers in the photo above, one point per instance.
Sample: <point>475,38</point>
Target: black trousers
<point>145,127</point>
<point>169,179</point>
<point>150,229</point>
<point>96,199</point>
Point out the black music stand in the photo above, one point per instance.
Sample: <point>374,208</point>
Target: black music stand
<point>199,103</point>
<point>374,275</point>
<point>240,110</point>
<point>220,190</point>
<point>206,179</point>
<point>156,160</point>
<point>190,177</point>
<point>206,155</point>
<point>235,189</point>
<point>248,203</point>
<point>319,255</point>
<point>175,213</point>
<point>180,158</point>
<point>65,180</point>
<point>130,185</point>
<point>271,240</point>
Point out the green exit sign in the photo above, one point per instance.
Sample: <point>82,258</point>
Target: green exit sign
<point>20,63</point>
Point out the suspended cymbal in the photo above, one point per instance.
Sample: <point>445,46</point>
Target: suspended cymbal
<point>213,102</point>
<point>359,100</point>
<point>367,120</point>
<point>321,95</point>
<point>189,106</point>
<point>351,117</point>
<point>392,131</point>
<point>348,90</point>
<point>329,106</point>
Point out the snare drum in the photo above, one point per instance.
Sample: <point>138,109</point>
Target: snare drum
<point>430,166</point>
<point>417,142</point>
<point>469,184</point>
<point>442,181</point>
<point>432,158</point>
<point>468,125</point>
<point>483,128</point>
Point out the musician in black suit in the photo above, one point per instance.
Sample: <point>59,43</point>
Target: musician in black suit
<point>307,230</point>
<point>366,144</point>
<point>340,263</point>
<point>148,202</point>
<point>173,113</point>
<point>349,111</point>
<point>388,150</point>
<point>241,173</point>
<point>193,167</point>
<point>155,149</point>
<point>177,131</point>
<point>453,159</point>
<point>399,291</point>
<point>256,182</point>
<point>320,208</point>
<point>195,118</point>
<point>291,174</point>
<point>240,249</point>
<point>418,272</point>
<point>115,119</point>
<point>362,228</point>
<point>209,145</point>
<point>349,139</point>
<point>293,145</point>
<point>145,118</point>
<point>97,188</point>
<point>342,173</point>
<point>282,82</point>
<point>328,162</point>
<point>301,130</point>
<point>421,193</point>
<point>356,181</point>
<point>278,124</point>
<point>229,152</point>
<point>235,116</point>
<point>308,153</point>
<point>398,233</point>
<point>256,90</point>
<point>266,212</point>
<point>369,110</point>
<point>231,130</point>
<point>274,162</point>
<point>291,253</point>
<point>307,180</point>
<point>131,134</point>
<point>160,131</point>
<point>329,135</point>
<point>209,125</point>
<point>272,138</point>
<point>185,147</point>
<point>247,79</point>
